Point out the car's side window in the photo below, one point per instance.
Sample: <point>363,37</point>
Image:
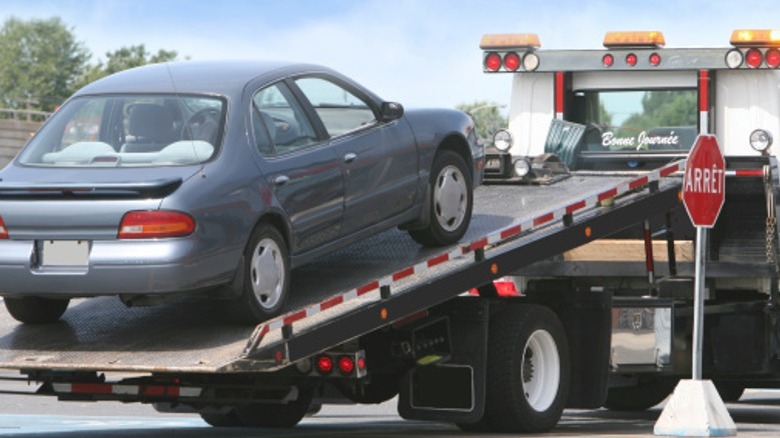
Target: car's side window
<point>280,126</point>
<point>340,110</point>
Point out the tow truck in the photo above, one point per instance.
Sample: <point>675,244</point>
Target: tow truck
<point>499,332</point>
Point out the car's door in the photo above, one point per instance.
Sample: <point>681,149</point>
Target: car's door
<point>379,160</point>
<point>303,172</point>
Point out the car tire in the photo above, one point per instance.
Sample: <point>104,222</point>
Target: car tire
<point>528,346</point>
<point>451,201</point>
<point>36,310</point>
<point>275,415</point>
<point>266,277</point>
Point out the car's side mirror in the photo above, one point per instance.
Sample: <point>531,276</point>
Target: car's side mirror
<point>392,111</point>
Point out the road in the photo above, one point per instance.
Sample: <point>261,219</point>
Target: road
<point>756,415</point>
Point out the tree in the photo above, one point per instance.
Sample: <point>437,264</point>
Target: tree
<point>123,59</point>
<point>39,61</point>
<point>487,117</point>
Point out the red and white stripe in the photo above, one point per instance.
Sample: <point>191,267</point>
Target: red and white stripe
<point>704,102</point>
<point>137,390</point>
<point>560,93</point>
<point>518,227</point>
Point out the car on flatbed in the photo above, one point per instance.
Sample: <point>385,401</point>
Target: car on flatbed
<point>221,177</point>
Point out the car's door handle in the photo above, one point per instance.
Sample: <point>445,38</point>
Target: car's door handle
<point>350,157</point>
<point>281,180</point>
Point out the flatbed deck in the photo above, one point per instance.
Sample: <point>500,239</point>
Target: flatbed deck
<point>190,335</point>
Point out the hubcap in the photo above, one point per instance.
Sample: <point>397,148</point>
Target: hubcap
<point>450,197</point>
<point>267,273</point>
<point>540,371</point>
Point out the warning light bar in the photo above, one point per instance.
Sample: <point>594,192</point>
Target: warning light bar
<point>648,39</point>
<point>510,41</point>
<point>755,37</point>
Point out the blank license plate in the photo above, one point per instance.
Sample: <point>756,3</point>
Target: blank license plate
<point>65,253</point>
<point>493,163</point>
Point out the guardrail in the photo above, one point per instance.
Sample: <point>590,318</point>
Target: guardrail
<point>24,115</point>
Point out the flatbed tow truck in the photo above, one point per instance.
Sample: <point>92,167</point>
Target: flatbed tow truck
<point>369,328</point>
<point>535,310</point>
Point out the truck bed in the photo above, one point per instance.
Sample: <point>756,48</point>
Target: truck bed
<point>189,334</point>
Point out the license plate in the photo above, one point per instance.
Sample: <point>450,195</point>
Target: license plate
<point>65,253</point>
<point>493,163</point>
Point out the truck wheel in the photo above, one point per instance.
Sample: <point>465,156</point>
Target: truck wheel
<point>266,273</point>
<point>528,369</point>
<point>228,418</point>
<point>641,397</point>
<point>451,201</point>
<point>36,310</point>
<point>274,414</point>
<point>729,391</point>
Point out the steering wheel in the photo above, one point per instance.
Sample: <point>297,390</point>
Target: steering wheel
<point>203,125</point>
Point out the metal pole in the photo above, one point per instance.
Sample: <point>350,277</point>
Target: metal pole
<point>698,303</point>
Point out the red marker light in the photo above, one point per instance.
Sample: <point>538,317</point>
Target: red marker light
<point>655,59</point>
<point>511,61</point>
<point>324,364</point>
<point>753,58</point>
<point>493,61</point>
<point>346,365</point>
<point>773,58</point>
<point>631,60</point>
<point>608,60</point>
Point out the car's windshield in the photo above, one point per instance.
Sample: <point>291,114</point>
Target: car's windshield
<point>638,120</point>
<point>129,130</point>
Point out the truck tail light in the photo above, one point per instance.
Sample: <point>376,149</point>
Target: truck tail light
<point>512,61</point>
<point>608,60</point>
<point>324,364</point>
<point>493,61</point>
<point>155,224</point>
<point>631,60</point>
<point>754,58</point>
<point>772,58</point>
<point>655,59</point>
<point>346,365</point>
<point>3,229</point>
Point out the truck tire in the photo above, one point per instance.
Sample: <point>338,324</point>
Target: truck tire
<point>228,418</point>
<point>451,201</point>
<point>275,415</point>
<point>36,310</point>
<point>528,371</point>
<point>729,391</point>
<point>641,397</point>
<point>266,282</point>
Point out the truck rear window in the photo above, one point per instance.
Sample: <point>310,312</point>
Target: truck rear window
<point>638,120</point>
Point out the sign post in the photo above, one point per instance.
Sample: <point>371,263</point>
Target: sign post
<point>695,408</point>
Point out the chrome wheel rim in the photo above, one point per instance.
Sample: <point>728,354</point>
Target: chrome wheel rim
<point>267,274</point>
<point>450,198</point>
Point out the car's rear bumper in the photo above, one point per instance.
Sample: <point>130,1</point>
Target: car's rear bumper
<point>112,268</point>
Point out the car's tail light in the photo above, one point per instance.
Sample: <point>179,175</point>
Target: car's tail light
<point>155,223</point>
<point>3,229</point>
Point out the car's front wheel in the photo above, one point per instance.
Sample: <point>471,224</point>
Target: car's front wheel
<point>266,276</point>
<point>451,201</point>
<point>36,310</point>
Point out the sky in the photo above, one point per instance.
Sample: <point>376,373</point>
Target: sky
<point>422,53</point>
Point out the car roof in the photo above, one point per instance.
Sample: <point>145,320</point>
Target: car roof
<point>212,77</point>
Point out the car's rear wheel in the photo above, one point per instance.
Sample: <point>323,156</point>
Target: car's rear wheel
<point>36,310</point>
<point>451,201</point>
<point>266,271</point>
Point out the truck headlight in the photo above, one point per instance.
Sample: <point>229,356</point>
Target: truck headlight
<point>522,167</point>
<point>760,140</point>
<point>502,140</point>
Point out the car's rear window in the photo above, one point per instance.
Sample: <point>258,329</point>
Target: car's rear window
<point>129,130</point>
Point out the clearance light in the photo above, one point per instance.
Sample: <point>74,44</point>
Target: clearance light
<point>655,59</point>
<point>3,229</point>
<point>346,365</point>
<point>155,224</point>
<point>324,364</point>
<point>772,58</point>
<point>492,61</point>
<point>652,39</point>
<point>608,60</point>
<point>510,41</point>
<point>631,60</point>
<point>754,58</point>
<point>763,37</point>
<point>512,61</point>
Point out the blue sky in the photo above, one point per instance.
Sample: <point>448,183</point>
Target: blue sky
<point>420,53</point>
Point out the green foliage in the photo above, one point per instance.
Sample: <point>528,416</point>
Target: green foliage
<point>662,108</point>
<point>487,117</point>
<point>123,59</point>
<point>39,61</point>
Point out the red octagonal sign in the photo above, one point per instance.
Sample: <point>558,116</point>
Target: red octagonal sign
<point>704,182</point>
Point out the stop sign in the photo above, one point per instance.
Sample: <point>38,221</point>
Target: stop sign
<point>704,182</point>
